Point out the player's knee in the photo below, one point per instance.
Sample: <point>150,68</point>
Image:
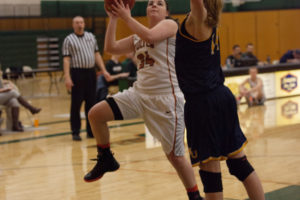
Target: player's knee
<point>98,113</point>
<point>212,181</point>
<point>171,157</point>
<point>94,114</point>
<point>240,167</point>
<point>174,159</point>
<point>91,115</point>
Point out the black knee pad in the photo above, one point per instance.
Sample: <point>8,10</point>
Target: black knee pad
<point>212,182</point>
<point>240,168</point>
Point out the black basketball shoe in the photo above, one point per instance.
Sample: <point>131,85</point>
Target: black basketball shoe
<point>105,163</point>
<point>195,196</point>
<point>76,137</point>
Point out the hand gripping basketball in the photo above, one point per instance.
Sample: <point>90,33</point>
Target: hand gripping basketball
<point>108,3</point>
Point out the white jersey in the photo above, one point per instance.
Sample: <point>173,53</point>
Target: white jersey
<point>254,84</point>
<point>156,67</point>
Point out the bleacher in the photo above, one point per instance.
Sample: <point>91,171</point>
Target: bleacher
<point>19,48</point>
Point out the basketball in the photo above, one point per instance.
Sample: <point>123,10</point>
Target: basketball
<point>108,3</point>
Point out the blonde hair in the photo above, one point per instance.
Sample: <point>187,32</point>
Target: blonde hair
<point>214,10</point>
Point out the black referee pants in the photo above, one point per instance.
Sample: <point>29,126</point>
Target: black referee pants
<point>84,89</point>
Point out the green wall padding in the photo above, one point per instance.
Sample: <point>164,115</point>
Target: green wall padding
<point>18,48</point>
<point>264,5</point>
<point>92,8</point>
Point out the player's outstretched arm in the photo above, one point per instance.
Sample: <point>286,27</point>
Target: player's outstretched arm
<point>204,16</point>
<point>198,11</point>
<point>165,29</point>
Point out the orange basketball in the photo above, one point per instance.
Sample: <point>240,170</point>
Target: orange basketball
<point>108,3</point>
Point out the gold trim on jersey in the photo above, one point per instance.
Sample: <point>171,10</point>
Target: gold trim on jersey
<point>187,37</point>
<point>215,39</point>
<point>215,42</point>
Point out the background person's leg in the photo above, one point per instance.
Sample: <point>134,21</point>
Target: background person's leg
<point>27,105</point>
<point>90,99</point>
<point>77,97</point>
<point>15,119</point>
<point>76,101</point>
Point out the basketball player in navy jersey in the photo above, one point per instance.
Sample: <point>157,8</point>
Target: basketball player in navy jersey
<point>213,129</point>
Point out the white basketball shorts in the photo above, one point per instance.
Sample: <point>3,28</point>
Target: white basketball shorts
<point>163,115</point>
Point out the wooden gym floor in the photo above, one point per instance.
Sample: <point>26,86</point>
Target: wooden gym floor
<point>44,163</point>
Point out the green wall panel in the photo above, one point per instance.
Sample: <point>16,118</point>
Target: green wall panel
<point>92,8</point>
<point>264,5</point>
<point>18,48</point>
<point>49,8</point>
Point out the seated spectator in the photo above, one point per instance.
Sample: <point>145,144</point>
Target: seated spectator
<point>111,85</point>
<point>101,88</point>
<point>255,94</point>
<point>129,65</point>
<point>114,67</point>
<point>291,56</point>
<point>234,60</point>
<point>10,97</point>
<point>249,55</point>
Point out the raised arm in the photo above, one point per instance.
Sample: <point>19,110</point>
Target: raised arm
<point>112,46</point>
<point>198,11</point>
<point>196,23</point>
<point>165,29</point>
<point>204,16</point>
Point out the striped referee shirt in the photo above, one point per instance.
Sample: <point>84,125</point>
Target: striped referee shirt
<point>81,49</point>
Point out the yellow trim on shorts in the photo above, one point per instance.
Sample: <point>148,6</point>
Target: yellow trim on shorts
<point>222,157</point>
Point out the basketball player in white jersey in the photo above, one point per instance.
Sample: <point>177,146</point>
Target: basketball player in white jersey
<point>255,95</point>
<point>155,96</point>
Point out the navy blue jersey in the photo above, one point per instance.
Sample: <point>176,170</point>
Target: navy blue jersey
<point>197,64</point>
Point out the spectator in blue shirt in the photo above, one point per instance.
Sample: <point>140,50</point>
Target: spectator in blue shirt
<point>291,56</point>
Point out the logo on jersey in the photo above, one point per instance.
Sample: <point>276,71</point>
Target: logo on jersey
<point>140,44</point>
<point>193,154</point>
<point>289,82</point>
<point>289,109</point>
<point>144,58</point>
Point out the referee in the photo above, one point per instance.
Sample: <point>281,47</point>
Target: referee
<point>81,53</point>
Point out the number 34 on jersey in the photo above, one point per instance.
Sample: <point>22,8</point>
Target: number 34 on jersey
<point>145,60</point>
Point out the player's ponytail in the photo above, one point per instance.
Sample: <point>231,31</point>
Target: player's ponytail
<point>214,10</point>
